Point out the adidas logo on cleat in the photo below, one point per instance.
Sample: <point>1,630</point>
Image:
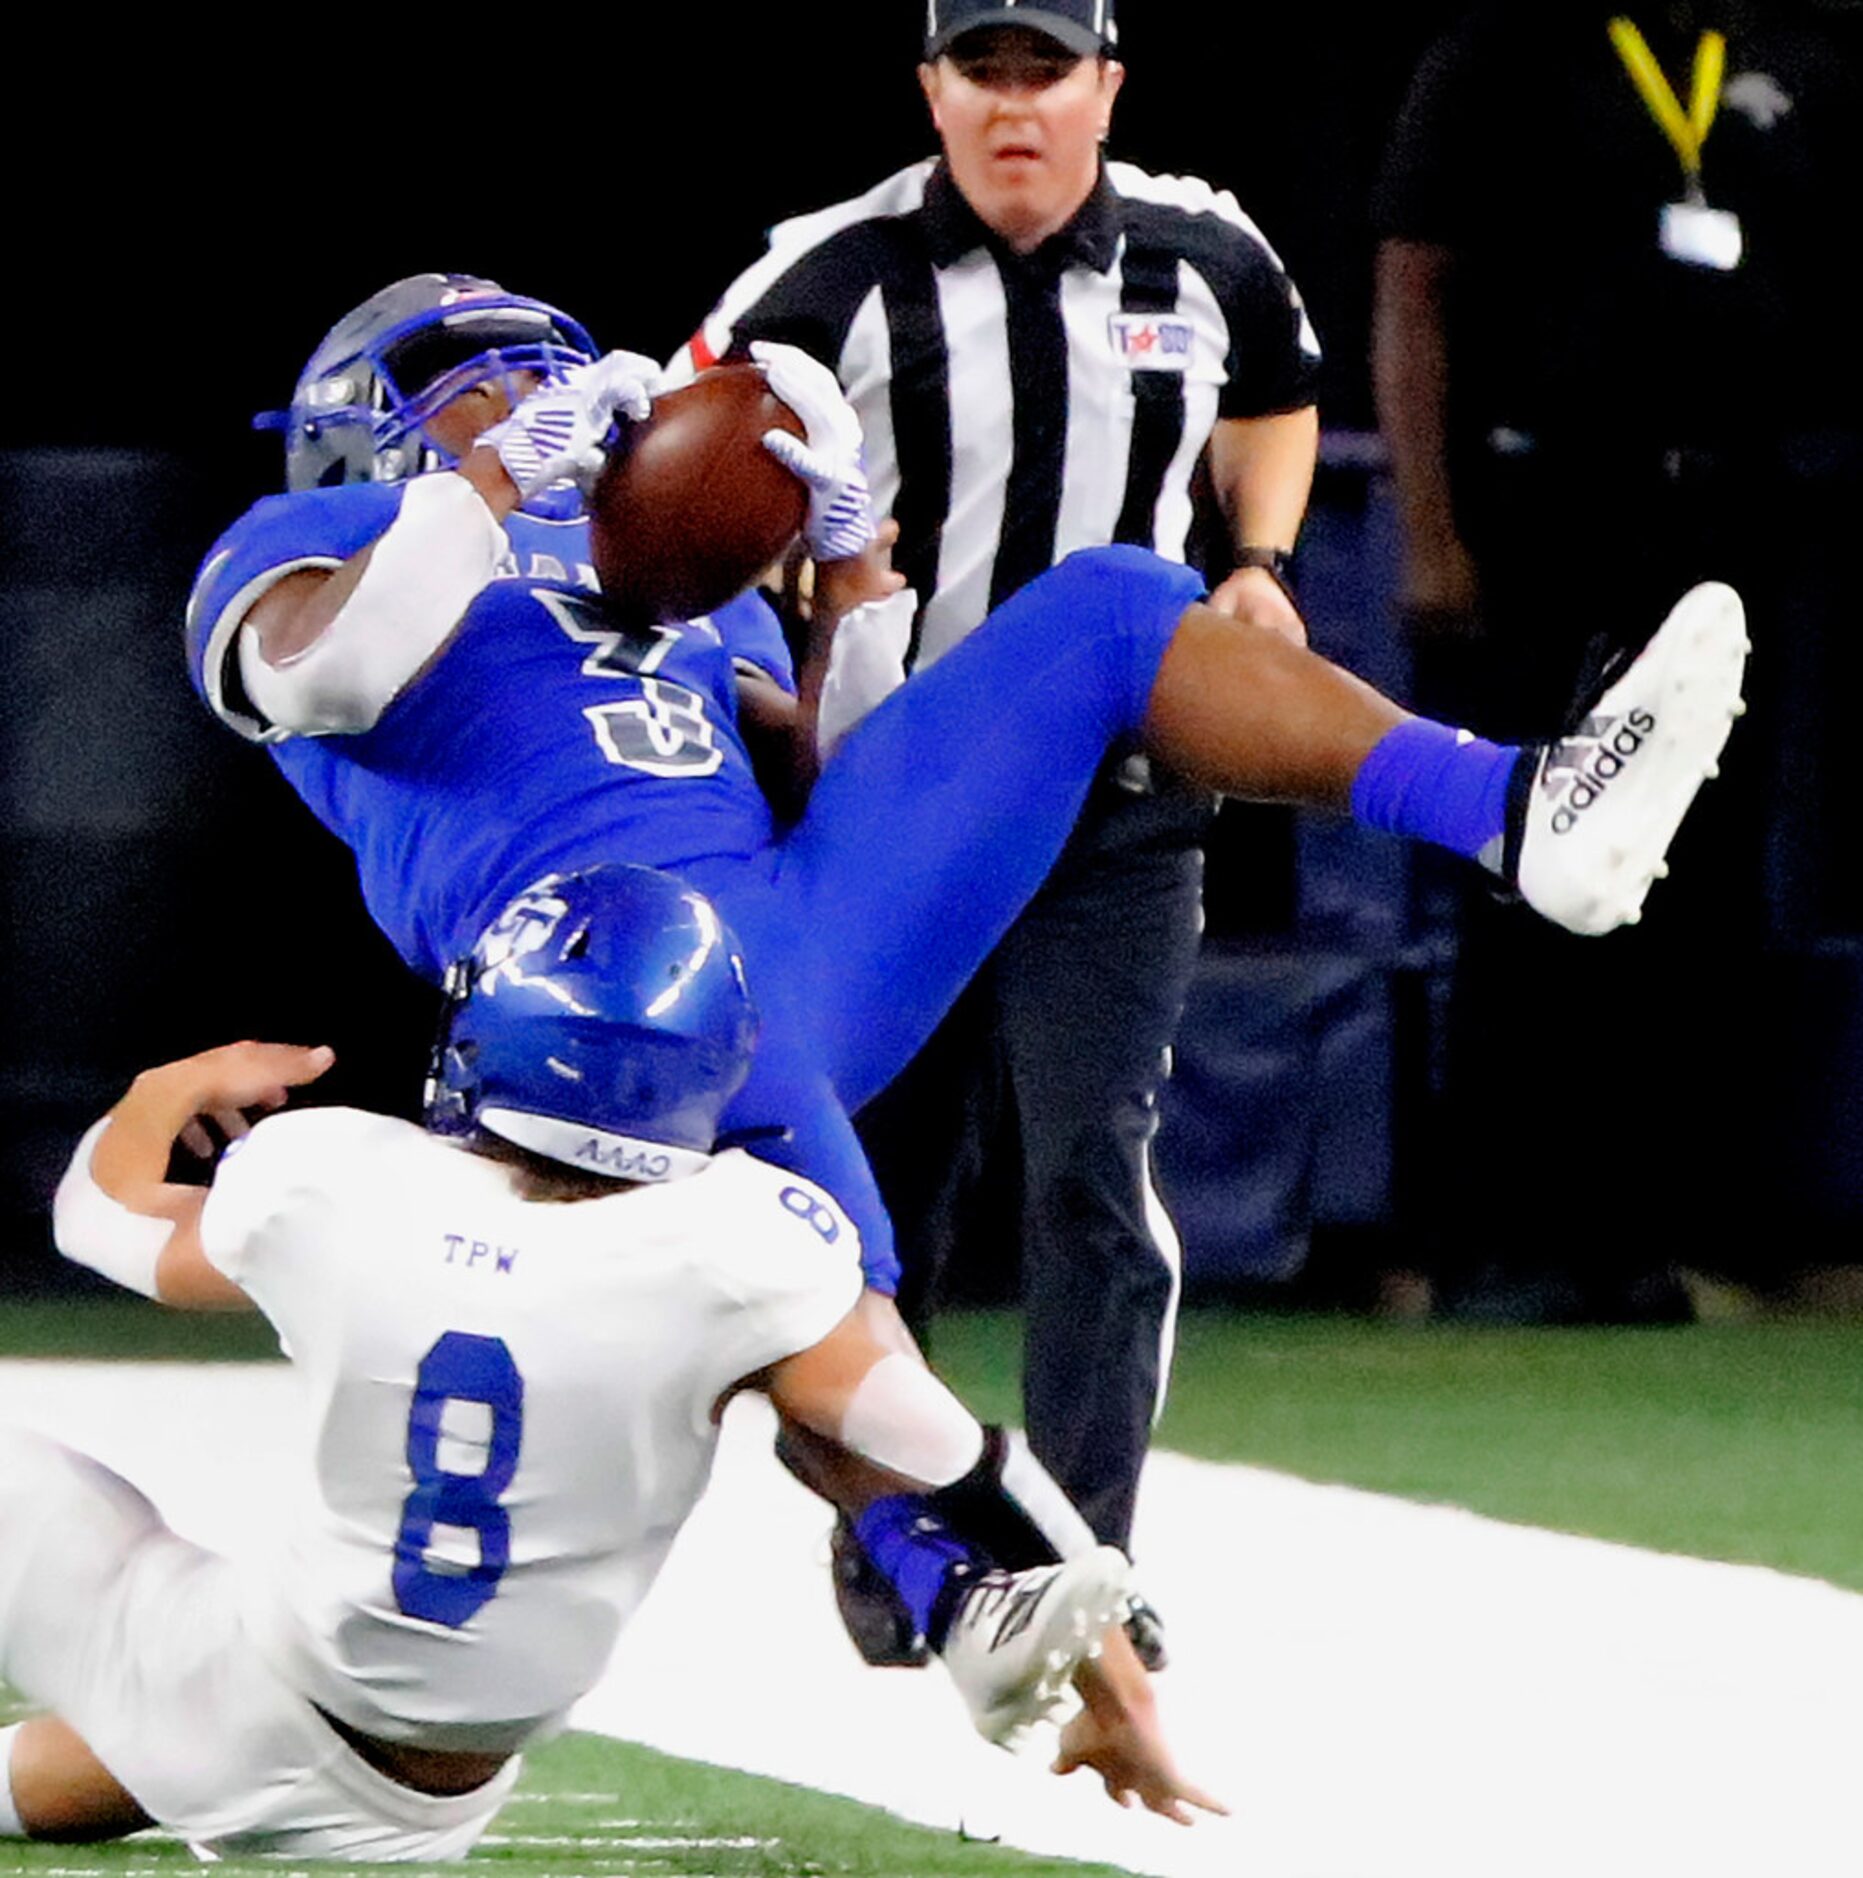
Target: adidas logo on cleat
<point>1592,770</point>
<point>1616,790</point>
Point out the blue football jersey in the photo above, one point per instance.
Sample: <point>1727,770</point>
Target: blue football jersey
<point>544,738</point>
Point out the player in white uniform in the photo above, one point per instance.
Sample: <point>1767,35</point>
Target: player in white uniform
<point>514,1360</point>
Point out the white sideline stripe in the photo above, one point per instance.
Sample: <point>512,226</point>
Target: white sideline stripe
<point>115,1869</point>
<point>1380,1690</point>
<point>634,1842</point>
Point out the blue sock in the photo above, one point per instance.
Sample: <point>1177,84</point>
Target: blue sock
<point>917,1552</point>
<point>1432,783</point>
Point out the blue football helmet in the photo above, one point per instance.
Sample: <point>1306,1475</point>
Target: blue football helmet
<point>602,1020</point>
<point>383,371</point>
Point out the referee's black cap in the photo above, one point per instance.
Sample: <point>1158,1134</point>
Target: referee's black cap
<point>1083,26</point>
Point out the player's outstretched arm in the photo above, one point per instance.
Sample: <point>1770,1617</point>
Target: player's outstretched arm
<point>1117,1733</point>
<point>865,1387</point>
<point>118,1212</point>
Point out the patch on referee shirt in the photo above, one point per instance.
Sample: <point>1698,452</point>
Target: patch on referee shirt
<point>1151,342</point>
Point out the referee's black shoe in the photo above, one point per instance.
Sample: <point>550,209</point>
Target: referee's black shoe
<point>873,1612</point>
<point>1146,1629</point>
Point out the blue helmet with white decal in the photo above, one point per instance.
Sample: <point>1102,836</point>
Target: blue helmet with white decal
<point>603,1021</point>
<point>385,369</point>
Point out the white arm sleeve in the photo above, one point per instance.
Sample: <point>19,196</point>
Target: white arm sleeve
<point>866,663</point>
<point>904,1418</point>
<point>92,1229</point>
<point>441,548</point>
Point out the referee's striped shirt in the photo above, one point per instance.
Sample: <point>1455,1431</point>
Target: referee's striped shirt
<point>1091,371</point>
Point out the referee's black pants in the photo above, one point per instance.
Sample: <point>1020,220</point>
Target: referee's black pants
<point>1020,1139</point>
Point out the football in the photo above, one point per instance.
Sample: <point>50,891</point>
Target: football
<point>691,508</point>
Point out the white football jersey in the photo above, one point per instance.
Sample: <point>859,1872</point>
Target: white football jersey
<point>510,1403</point>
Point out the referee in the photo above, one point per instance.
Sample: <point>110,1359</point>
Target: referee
<point>1042,346</point>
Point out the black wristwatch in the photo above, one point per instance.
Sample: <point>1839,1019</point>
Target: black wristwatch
<point>1278,561</point>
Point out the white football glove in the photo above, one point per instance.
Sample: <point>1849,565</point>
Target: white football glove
<point>560,432</point>
<point>840,520</point>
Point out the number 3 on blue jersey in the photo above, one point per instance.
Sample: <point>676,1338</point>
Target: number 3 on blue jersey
<point>459,1368</point>
<point>662,729</point>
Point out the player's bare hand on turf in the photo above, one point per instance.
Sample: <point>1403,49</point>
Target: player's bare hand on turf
<point>1129,1755</point>
<point>229,1086</point>
<point>1254,595</point>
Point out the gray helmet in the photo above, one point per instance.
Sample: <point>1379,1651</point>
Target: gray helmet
<point>387,367</point>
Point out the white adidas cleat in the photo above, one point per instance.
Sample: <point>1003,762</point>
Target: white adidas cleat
<point>1016,1639</point>
<point>1605,800</point>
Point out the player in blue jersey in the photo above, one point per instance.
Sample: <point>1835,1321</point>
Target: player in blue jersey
<point>415,633</point>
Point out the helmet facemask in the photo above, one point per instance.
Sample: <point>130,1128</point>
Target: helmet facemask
<point>387,369</point>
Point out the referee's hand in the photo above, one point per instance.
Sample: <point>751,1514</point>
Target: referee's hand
<point>1253,595</point>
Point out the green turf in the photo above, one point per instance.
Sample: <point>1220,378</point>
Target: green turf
<point>132,1327</point>
<point>1729,1441</point>
<point>592,1807</point>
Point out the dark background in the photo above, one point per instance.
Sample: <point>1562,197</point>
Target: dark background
<point>186,216</point>
<point>217,214</point>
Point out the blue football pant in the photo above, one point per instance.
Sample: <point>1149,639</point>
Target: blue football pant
<point>934,825</point>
